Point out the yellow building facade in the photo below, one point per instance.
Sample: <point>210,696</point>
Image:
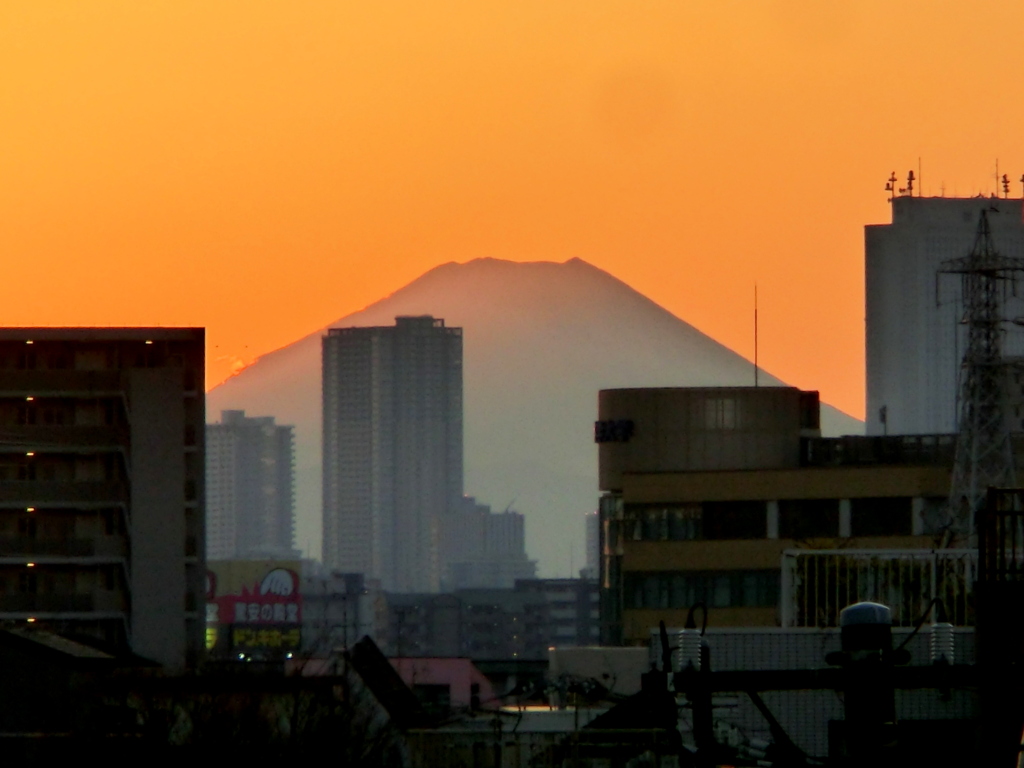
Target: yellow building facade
<point>705,488</point>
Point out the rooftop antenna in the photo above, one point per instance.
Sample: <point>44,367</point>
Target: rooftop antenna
<point>1006,185</point>
<point>910,183</point>
<point>890,185</point>
<point>1022,185</point>
<point>755,336</point>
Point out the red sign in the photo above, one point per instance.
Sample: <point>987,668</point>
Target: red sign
<point>272,598</point>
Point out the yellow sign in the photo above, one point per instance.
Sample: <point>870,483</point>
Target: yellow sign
<point>264,637</point>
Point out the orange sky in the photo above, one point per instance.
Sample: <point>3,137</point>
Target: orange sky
<point>263,167</point>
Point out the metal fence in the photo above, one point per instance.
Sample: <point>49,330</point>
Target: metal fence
<point>818,584</point>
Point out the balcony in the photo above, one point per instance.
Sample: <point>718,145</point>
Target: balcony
<point>61,383</point>
<point>37,603</point>
<point>65,438</point>
<point>40,492</point>
<point>112,547</point>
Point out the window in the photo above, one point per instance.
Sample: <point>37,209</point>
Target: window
<point>684,523</point>
<point>653,592</point>
<point>880,517</point>
<point>735,520</point>
<point>693,522</point>
<point>720,592</point>
<point>808,518</point>
<point>719,589</point>
<point>655,525</point>
<point>659,523</point>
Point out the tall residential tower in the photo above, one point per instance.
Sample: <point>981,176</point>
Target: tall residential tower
<point>392,449</point>
<point>250,488</point>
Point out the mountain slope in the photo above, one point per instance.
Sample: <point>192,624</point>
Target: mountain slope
<point>540,339</point>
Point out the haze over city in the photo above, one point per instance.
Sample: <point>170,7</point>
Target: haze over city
<point>264,168</point>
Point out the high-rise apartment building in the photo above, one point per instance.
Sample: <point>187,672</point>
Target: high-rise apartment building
<point>915,337</point>
<point>101,486</point>
<point>392,449</point>
<point>250,488</point>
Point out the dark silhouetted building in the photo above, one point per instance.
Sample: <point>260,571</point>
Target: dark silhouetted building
<point>101,486</point>
<point>520,623</point>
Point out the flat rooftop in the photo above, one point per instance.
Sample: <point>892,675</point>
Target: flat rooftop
<point>84,333</point>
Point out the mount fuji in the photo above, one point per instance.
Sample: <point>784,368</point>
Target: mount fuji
<point>540,339</point>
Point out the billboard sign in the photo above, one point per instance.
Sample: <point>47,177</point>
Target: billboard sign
<point>253,605</point>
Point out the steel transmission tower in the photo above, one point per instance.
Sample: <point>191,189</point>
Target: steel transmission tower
<point>984,453</point>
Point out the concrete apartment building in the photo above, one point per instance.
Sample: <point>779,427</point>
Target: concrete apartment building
<point>101,486</point>
<point>914,336</point>
<point>706,488</point>
<point>250,488</point>
<point>338,609</point>
<point>521,623</point>
<point>483,549</point>
<point>392,449</point>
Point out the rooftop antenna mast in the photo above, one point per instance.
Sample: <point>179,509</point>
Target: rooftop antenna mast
<point>890,185</point>
<point>756,368</point>
<point>984,454</point>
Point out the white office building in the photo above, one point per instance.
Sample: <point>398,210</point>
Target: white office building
<point>915,337</point>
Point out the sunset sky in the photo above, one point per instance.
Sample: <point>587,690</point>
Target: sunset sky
<point>265,167</point>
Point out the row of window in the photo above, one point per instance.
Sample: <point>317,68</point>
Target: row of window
<point>57,411</point>
<point>61,356</point>
<point>798,519</point>
<point>59,580</point>
<point>716,589</point>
